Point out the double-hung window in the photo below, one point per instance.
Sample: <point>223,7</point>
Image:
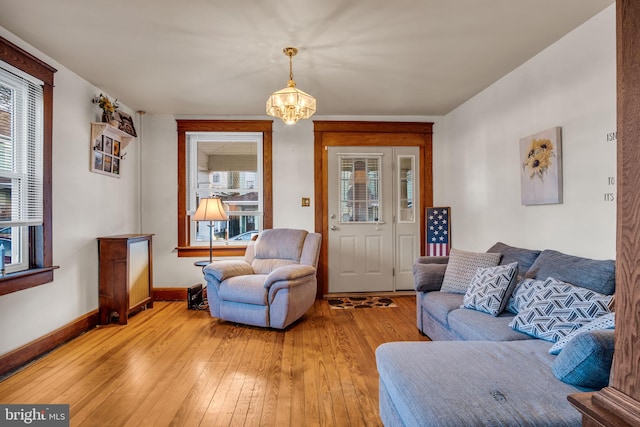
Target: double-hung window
<point>229,159</point>
<point>227,165</point>
<point>26,119</point>
<point>21,149</point>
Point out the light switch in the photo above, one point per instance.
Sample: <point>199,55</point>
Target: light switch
<point>306,202</point>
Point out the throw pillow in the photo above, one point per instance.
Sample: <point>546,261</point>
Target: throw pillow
<point>559,309</point>
<point>608,321</point>
<point>462,267</point>
<point>524,291</point>
<point>490,288</point>
<point>428,277</point>
<point>586,360</point>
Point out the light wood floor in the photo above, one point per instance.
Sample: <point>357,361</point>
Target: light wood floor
<point>176,367</point>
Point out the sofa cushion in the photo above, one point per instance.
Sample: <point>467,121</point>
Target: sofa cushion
<point>522,295</point>
<point>524,257</point>
<point>608,321</point>
<point>588,273</point>
<point>428,277</point>
<point>462,267</point>
<point>440,304</point>
<point>586,360</point>
<point>472,325</point>
<point>445,383</point>
<point>559,309</point>
<point>491,288</point>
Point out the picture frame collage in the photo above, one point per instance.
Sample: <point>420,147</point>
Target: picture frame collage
<point>107,156</point>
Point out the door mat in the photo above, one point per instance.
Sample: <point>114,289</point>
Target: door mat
<point>360,302</point>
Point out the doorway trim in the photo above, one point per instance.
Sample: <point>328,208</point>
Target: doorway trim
<point>352,133</point>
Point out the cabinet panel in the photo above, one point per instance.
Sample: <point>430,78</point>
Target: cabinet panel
<point>126,279</point>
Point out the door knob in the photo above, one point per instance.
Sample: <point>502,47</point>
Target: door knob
<point>333,228</point>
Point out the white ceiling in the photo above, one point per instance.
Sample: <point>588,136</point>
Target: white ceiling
<point>357,57</point>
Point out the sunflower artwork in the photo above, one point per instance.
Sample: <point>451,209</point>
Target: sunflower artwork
<point>541,167</point>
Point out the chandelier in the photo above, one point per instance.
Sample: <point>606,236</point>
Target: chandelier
<point>291,104</point>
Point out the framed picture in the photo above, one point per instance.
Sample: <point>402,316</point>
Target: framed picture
<point>105,155</point>
<point>438,231</point>
<point>108,143</point>
<point>541,167</point>
<point>126,124</point>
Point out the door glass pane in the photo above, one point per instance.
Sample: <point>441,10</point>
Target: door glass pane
<point>360,194</point>
<point>406,199</point>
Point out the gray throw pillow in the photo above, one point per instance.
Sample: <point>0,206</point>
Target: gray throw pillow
<point>586,360</point>
<point>463,266</point>
<point>490,288</point>
<point>428,277</point>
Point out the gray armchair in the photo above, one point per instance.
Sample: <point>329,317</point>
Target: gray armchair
<point>275,284</point>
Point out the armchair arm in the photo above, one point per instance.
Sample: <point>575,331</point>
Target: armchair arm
<point>428,273</point>
<point>289,272</point>
<point>222,270</point>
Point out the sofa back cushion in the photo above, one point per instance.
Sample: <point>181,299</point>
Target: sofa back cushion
<point>524,257</point>
<point>596,275</point>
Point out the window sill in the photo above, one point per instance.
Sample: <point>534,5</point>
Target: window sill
<point>20,280</point>
<point>200,251</point>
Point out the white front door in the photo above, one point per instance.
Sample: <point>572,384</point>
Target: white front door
<point>373,223</point>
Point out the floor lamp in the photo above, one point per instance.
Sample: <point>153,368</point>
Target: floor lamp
<point>210,209</point>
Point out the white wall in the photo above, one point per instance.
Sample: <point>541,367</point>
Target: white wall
<point>292,179</point>
<point>85,205</point>
<point>571,84</point>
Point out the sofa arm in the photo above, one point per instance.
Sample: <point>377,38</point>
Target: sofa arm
<point>428,273</point>
<point>222,270</point>
<point>289,272</point>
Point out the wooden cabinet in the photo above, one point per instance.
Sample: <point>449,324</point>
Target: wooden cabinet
<point>126,279</point>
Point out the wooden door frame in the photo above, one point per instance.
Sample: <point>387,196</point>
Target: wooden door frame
<point>352,133</point>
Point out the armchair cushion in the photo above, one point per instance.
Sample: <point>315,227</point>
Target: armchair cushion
<point>222,270</point>
<point>289,272</point>
<point>282,243</point>
<point>244,289</point>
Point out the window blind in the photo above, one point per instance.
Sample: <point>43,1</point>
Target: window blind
<point>21,150</point>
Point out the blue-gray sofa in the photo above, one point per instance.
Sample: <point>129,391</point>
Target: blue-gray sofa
<point>489,363</point>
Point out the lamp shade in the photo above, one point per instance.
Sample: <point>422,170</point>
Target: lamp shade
<point>291,104</point>
<point>210,209</point>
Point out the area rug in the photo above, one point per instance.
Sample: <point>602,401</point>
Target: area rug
<point>360,302</point>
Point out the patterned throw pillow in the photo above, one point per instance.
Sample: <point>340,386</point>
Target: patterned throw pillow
<point>608,321</point>
<point>462,267</point>
<point>524,291</point>
<point>559,309</point>
<point>490,288</point>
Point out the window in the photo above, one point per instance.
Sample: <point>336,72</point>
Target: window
<point>360,196</point>
<point>226,165</point>
<point>214,160</point>
<point>26,98</point>
<point>20,166</point>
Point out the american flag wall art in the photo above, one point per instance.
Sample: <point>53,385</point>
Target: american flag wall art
<point>438,231</point>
